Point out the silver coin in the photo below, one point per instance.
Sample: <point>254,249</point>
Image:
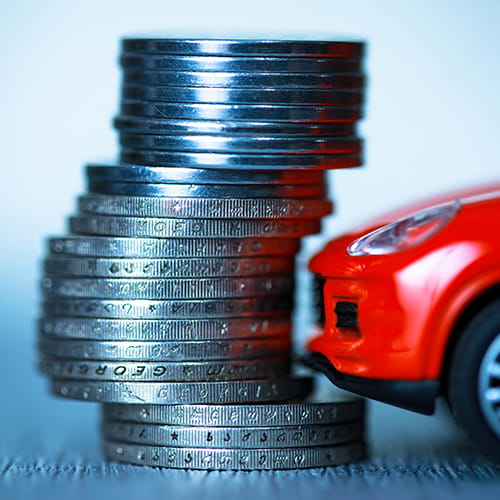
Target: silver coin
<point>233,437</point>
<point>228,47</point>
<point>150,288</point>
<point>241,391</point>
<point>185,350</point>
<point>227,191</point>
<point>237,459</point>
<point>230,127</point>
<point>318,409</point>
<point>207,208</point>
<point>245,161</point>
<point>238,79</point>
<point>225,144</point>
<point>166,309</point>
<point>202,371</point>
<point>197,267</point>
<point>101,246</point>
<point>251,112</point>
<point>240,64</point>
<point>187,175</point>
<point>163,227</point>
<point>314,97</point>
<point>154,329</point>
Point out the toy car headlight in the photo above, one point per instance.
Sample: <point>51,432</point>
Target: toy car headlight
<point>405,233</point>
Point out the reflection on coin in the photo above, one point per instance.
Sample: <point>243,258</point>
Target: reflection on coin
<point>227,47</point>
<point>230,127</point>
<point>247,161</point>
<point>197,267</point>
<point>238,459</point>
<point>240,64</point>
<point>197,175</point>
<point>250,112</point>
<point>226,79</point>
<point>187,371</point>
<point>233,437</point>
<point>206,208</point>
<point>186,350</point>
<point>151,288</point>
<point>166,309</point>
<point>164,227</point>
<point>207,190</point>
<point>320,97</point>
<point>244,391</point>
<point>323,409</point>
<point>171,329</point>
<point>225,144</point>
<point>101,246</point>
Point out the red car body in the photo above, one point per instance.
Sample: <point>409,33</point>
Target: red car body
<point>400,312</point>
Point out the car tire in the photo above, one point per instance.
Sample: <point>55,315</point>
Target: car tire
<point>474,383</point>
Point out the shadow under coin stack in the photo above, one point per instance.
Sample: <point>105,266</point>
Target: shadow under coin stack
<point>171,299</point>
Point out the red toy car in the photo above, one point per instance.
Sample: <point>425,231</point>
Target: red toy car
<point>410,309</point>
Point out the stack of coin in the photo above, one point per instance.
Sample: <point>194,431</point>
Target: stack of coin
<point>292,435</point>
<point>241,104</point>
<point>175,286</point>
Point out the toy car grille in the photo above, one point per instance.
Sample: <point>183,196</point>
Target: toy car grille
<point>347,314</point>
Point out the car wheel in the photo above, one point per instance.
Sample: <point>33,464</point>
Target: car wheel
<point>474,380</point>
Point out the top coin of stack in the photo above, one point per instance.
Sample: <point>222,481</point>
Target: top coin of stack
<point>241,104</point>
<point>175,286</point>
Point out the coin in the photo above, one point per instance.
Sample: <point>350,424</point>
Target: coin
<point>263,79</point>
<point>188,371</point>
<point>171,329</point>
<point>239,64</point>
<point>207,208</point>
<point>165,309</point>
<point>237,459</point>
<point>230,127</point>
<point>150,288</point>
<point>318,409</point>
<point>246,161</point>
<point>196,175</point>
<point>225,144</point>
<point>163,227</point>
<point>282,48</point>
<point>250,112</point>
<point>203,190</point>
<point>241,391</point>
<point>185,350</point>
<point>101,246</point>
<point>233,437</point>
<point>166,268</point>
<point>270,95</point>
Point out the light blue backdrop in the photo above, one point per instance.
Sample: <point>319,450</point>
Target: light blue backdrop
<point>432,124</point>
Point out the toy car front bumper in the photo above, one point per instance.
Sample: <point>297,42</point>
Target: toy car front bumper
<point>418,396</point>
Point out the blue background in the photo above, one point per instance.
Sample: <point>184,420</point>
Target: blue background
<point>432,124</point>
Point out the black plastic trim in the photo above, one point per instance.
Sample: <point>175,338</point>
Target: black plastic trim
<point>347,314</point>
<point>415,396</point>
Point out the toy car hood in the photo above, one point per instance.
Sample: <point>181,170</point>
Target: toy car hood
<point>337,247</point>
